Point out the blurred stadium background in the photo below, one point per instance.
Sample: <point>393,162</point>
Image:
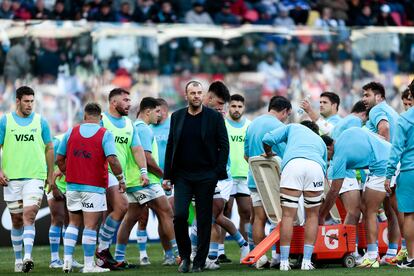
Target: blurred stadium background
<point>72,52</point>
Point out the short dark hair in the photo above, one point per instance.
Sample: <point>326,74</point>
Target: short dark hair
<point>117,91</point>
<point>359,107</point>
<point>162,102</point>
<point>192,82</point>
<point>333,97</point>
<point>219,89</point>
<point>148,103</point>
<point>93,109</point>
<point>328,140</point>
<point>411,87</point>
<point>279,103</point>
<point>376,87</point>
<point>237,98</point>
<point>311,125</point>
<point>405,94</point>
<point>23,90</point>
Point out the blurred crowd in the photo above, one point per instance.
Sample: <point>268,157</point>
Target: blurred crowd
<point>319,13</point>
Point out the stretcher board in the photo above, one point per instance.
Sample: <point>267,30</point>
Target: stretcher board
<point>266,174</point>
<point>262,247</point>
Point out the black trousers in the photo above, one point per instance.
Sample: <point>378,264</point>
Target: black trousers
<point>203,190</point>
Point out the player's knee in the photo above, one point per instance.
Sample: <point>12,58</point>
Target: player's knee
<point>17,220</point>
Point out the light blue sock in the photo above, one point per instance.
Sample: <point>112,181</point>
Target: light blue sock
<point>142,239</point>
<point>16,236</point>
<point>403,244</point>
<point>54,241</point>
<point>213,251</point>
<point>193,235</point>
<point>89,245</point>
<point>372,250</point>
<point>107,233</point>
<point>239,239</point>
<point>29,233</point>
<point>169,253</point>
<point>250,237</point>
<point>120,252</point>
<point>392,249</point>
<point>284,252</point>
<point>69,241</point>
<point>174,247</point>
<point>307,252</point>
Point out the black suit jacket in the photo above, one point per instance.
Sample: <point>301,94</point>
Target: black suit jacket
<point>215,140</point>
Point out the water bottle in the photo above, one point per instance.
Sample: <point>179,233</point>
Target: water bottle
<point>300,110</point>
<point>168,192</point>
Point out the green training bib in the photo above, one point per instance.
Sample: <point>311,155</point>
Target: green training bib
<point>238,165</point>
<point>24,150</point>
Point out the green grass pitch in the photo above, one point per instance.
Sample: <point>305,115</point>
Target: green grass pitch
<point>41,258</point>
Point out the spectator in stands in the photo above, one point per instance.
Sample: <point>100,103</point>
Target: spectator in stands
<point>5,10</point>
<point>298,10</point>
<point>273,72</point>
<point>283,20</point>
<point>225,17</point>
<point>59,12</point>
<point>104,14</point>
<point>83,13</point>
<point>197,15</point>
<point>326,20</point>
<point>339,8</point>
<point>354,10</point>
<point>365,18</point>
<point>124,14</point>
<point>384,18</point>
<point>238,8</point>
<point>166,14</point>
<point>20,11</point>
<point>144,10</point>
<point>40,11</point>
<point>17,64</point>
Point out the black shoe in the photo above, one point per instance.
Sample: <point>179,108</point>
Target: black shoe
<point>196,269</point>
<point>125,265</point>
<point>406,264</point>
<point>28,265</point>
<point>104,259</point>
<point>223,259</point>
<point>185,266</point>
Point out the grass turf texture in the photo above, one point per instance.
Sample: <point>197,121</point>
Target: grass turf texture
<point>41,257</point>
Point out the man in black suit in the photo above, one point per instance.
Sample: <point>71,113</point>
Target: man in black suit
<point>195,159</point>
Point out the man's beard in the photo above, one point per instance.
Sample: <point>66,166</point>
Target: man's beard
<point>121,112</point>
<point>235,117</point>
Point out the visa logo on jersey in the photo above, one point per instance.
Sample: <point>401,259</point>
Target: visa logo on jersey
<point>24,137</point>
<point>121,140</point>
<point>237,138</point>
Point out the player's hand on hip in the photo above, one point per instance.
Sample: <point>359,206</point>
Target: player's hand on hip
<point>3,179</point>
<point>57,194</point>
<point>144,180</point>
<point>122,186</point>
<point>387,186</point>
<point>166,185</point>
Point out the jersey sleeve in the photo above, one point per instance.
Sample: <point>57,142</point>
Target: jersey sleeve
<point>62,146</point>
<point>276,136</point>
<point>376,115</point>
<point>145,136</point>
<point>108,143</point>
<point>46,136</point>
<point>3,122</point>
<point>338,164</point>
<point>136,141</point>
